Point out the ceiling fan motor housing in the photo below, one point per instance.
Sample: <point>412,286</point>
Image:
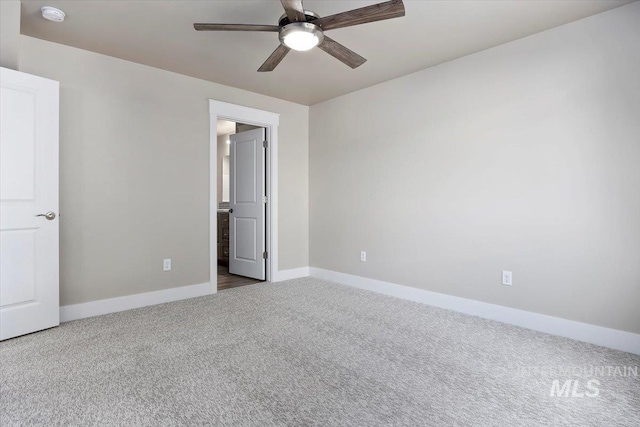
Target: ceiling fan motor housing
<point>308,15</point>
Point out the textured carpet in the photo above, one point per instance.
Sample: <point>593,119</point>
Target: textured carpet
<point>305,352</point>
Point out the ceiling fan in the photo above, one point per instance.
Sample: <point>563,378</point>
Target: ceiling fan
<point>302,30</point>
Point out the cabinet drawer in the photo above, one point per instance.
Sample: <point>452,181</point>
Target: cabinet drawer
<point>223,218</point>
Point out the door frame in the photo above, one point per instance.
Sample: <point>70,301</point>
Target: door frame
<point>269,121</point>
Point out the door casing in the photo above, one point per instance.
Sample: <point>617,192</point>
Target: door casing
<point>269,121</point>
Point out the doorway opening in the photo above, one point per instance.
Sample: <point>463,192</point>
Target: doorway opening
<point>241,236</point>
<point>243,214</point>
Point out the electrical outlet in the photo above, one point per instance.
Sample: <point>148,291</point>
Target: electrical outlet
<point>166,264</point>
<point>363,256</point>
<point>507,278</point>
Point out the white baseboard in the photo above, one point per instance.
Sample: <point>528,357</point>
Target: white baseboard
<point>294,273</point>
<point>113,305</point>
<point>612,338</point>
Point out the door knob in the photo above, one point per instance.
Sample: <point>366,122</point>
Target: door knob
<point>49,215</point>
<point>231,210</point>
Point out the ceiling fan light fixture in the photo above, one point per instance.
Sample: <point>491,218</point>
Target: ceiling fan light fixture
<point>300,29</point>
<point>301,36</point>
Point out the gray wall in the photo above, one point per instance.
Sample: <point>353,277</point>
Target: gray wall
<point>9,33</point>
<point>524,157</point>
<point>134,172</point>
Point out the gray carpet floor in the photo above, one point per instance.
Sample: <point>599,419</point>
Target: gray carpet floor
<point>304,353</point>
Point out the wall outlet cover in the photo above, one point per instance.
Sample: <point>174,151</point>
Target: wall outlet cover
<point>507,277</point>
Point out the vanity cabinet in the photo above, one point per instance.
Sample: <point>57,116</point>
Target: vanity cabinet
<point>223,238</point>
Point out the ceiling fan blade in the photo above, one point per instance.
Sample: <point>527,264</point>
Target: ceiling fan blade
<point>235,27</point>
<point>341,53</point>
<point>272,61</point>
<point>376,12</point>
<point>294,10</point>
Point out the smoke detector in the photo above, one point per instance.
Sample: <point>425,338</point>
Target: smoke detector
<point>52,14</point>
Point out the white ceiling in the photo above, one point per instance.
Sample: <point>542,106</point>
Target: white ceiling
<point>225,127</point>
<point>160,34</point>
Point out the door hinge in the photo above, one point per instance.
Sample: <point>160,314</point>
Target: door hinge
<point>265,144</point>
<point>265,199</point>
<point>265,255</point>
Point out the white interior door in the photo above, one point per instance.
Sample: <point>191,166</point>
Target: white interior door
<point>29,272</point>
<point>247,204</point>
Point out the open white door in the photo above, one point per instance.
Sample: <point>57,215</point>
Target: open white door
<point>29,271</point>
<point>247,204</point>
